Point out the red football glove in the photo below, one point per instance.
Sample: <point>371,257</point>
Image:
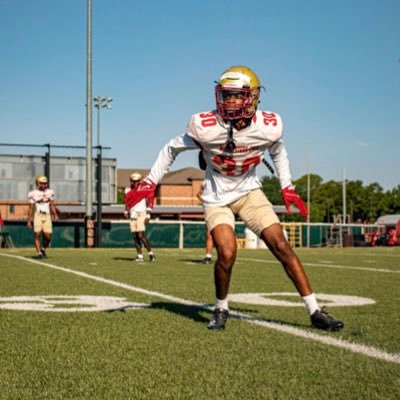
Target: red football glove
<point>145,189</point>
<point>290,196</point>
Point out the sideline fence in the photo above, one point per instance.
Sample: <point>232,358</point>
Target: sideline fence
<point>188,234</point>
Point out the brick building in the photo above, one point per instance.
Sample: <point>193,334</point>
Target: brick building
<point>177,188</point>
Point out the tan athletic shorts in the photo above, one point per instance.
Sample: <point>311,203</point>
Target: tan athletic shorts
<point>42,223</point>
<point>137,222</point>
<point>254,210</point>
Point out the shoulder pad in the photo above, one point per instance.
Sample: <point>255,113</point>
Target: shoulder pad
<point>269,123</point>
<point>203,125</point>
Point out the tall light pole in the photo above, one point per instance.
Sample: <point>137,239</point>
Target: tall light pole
<point>344,196</point>
<point>89,226</point>
<point>101,102</point>
<point>308,193</point>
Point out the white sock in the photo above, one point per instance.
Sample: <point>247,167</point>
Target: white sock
<point>311,303</point>
<point>151,253</point>
<point>140,255</point>
<point>222,304</point>
<point>208,255</point>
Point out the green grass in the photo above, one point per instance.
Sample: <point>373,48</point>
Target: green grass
<point>165,351</point>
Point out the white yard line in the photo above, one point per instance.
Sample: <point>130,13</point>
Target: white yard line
<point>307,264</point>
<point>328,340</point>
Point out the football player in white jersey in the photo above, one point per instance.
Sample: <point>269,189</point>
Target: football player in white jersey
<point>41,209</point>
<point>233,139</point>
<point>138,216</point>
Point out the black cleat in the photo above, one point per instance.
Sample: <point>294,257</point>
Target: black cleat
<point>206,260</point>
<point>218,319</point>
<point>43,251</point>
<point>152,257</point>
<point>321,320</point>
<point>40,256</point>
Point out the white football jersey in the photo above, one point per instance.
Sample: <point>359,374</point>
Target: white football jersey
<point>41,199</point>
<point>138,207</point>
<point>229,176</point>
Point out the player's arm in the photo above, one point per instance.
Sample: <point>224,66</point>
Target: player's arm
<point>280,159</point>
<point>167,156</point>
<point>30,214</point>
<point>148,210</point>
<point>54,211</point>
<point>126,211</point>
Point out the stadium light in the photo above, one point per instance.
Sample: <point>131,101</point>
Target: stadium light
<point>101,102</point>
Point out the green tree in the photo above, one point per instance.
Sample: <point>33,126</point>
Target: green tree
<point>377,202</point>
<point>356,201</point>
<point>120,196</point>
<point>272,189</point>
<point>394,200</point>
<point>317,211</point>
<point>302,183</point>
<point>328,197</point>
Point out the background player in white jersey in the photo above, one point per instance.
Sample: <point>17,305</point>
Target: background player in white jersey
<point>233,139</point>
<point>42,209</point>
<point>139,216</point>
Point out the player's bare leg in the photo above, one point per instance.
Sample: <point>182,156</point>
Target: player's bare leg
<point>146,244</point>
<point>225,243</point>
<point>37,243</point>
<point>209,243</point>
<point>46,239</point>
<point>274,238</point>
<point>138,245</point>
<point>209,246</point>
<point>144,240</point>
<point>45,242</point>
<point>138,242</point>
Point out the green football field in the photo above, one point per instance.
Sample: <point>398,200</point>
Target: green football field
<point>93,324</point>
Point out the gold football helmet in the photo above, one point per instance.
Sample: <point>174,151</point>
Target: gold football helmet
<point>135,177</point>
<point>41,182</point>
<point>41,179</point>
<point>240,82</point>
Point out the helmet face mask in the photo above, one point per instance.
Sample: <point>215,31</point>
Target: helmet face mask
<point>244,106</point>
<point>237,93</point>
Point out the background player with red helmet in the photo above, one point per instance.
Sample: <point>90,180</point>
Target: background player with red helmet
<point>41,209</point>
<point>233,139</point>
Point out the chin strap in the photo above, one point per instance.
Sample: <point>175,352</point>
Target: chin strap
<point>230,145</point>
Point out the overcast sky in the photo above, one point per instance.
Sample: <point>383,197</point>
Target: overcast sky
<point>330,68</point>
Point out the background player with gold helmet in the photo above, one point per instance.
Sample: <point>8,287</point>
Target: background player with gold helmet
<point>41,210</point>
<point>139,216</point>
<point>233,139</point>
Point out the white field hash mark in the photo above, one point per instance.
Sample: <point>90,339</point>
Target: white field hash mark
<point>368,351</point>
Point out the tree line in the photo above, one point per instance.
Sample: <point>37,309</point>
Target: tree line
<point>364,203</point>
